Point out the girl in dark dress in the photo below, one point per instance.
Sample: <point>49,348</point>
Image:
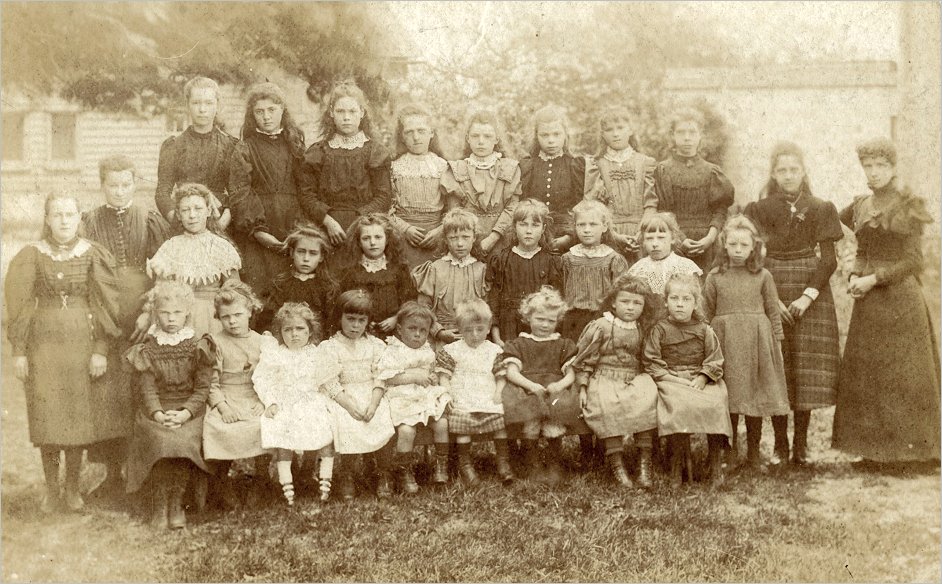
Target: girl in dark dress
<point>794,224</point>
<point>203,153</point>
<point>888,394</point>
<point>62,308</point>
<point>265,203</point>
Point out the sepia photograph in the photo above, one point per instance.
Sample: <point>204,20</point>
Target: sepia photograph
<point>459,291</point>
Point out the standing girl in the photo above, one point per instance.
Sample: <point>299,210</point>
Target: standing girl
<point>346,173</point>
<point>660,237</point>
<point>418,199</point>
<point>471,370</point>
<point>552,175</point>
<point>204,153</point>
<point>231,426</point>
<point>742,306</point>
<point>415,398</point>
<point>62,304</point>
<point>197,257</point>
<point>307,281</point>
<point>622,178</point>
<point>265,203</point>
<point>618,398</point>
<point>485,182</point>
<point>522,269</point>
<point>454,278</point>
<point>794,223</point>
<point>682,354</point>
<point>589,267</point>
<point>380,270</point>
<point>694,190</point>
<point>287,379</point>
<point>359,409</point>
<point>174,372</point>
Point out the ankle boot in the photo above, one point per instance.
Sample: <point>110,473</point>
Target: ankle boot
<point>780,451</point>
<point>175,513</point>
<point>800,439</point>
<point>440,472</point>
<point>159,506</point>
<point>617,466</point>
<point>587,453</point>
<point>677,465</point>
<point>716,463</point>
<point>644,468</point>
<point>504,472</point>
<point>529,458</point>
<point>554,455</point>
<point>466,466</point>
<point>753,439</point>
<point>383,486</point>
<point>407,483</point>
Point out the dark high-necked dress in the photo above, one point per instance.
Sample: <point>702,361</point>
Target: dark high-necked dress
<point>888,394</point>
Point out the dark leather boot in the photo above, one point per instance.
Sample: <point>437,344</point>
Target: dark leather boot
<point>159,506</point>
<point>175,513</point>
<point>617,466</point>
<point>440,473</point>
<point>644,469</point>
<point>504,472</point>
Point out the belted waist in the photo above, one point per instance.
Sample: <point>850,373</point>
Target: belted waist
<point>791,255</point>
<point>63,301</point>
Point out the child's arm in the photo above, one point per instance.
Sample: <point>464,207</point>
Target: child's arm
<point>649,195</point>
<point>563,383</point>
<point>377,396</point>
<point>654,363</point>
<point>414,376</point>
<point>494,281</point>
<point>149,399</point>
<point>335,391</point>
<point>380,184</point>
<point>709,297</point>
<point>712,368</point>
<point>517,378</point>
<point>771,302</point>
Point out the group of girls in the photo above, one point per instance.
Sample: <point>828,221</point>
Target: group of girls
<point>329,299</point>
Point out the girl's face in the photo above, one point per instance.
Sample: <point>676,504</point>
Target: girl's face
<point>63,219</point>
<point>373,241</point>
<point>543,323</point>
<point>347,114</point>
<point>615,133</point>
<point>589,228</point>
<point>118,187</point>
<point>193,213</point>
<point>739,246</point>
<point>307,255</point>
<point>551,137</point>
<point>529,231</point>
<point>202,107</point>
<point>788,173</point>
<point>353,325</point>
<point>475,332</point>
<point>413,331</point>
<point>657,244</point>
<point>628,306</point>
<point>482,138</point>
<point>295,332</point>
<point>680,302</point>
<point>268,115</point>
<point>686,137</point>
<point>460,242</point>
<point>235,318</point>
<point>171,314</point>
<point>879,171</point>
<point>417,134</point>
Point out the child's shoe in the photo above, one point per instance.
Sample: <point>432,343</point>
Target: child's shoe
<point>175,513</point>
<point>617,465</point>
<point>440,472</point>
<point>383,488</point>
<point>644,469</point>
<point>407,484</point>
<point>504,472</point>
<point>287,489</point>
<point>677,469</point>
<point>73,500</point>
<point>468,473</point>
<point>717,477</point>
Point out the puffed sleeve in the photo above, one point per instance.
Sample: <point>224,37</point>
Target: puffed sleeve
<point>498,368</point>
<point>444,363</point>
<point>713,361</point>
<point>404,287</point>
<point>567,355</point>
<point>137,357</point>
<point>594,184</point>
<point>166,176</point>
<point>908,219</point>
<point>508,172</point>
<point>577,172</point>
<point>20,299</point>
<point>494,279</point>
<point>587,351</point>
<point>104,290</point>
<point>722,195</point>
<point>451,180</point>
<point>555,276</point>
<point>208,346</point>
<point>709,296</point>
<point>267,373</point>
<point>330,385</point>
<point>771,304</point>
<point>648,194</point>
<point>395,207</point>
<point>848,213</point>
<point>654,363</point>
<point>618,266</point>
<point>526,177</point>
<point>248,213</point>
<point>309,183</point>
<point>380,186</point>
<point>205,372</point>
<point>391,363</point>
<point>158,231</point>
<point>424,276</point>
<point>513,353</point>
<point>827,231</point>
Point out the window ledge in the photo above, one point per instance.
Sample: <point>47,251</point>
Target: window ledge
<point>16,166</point>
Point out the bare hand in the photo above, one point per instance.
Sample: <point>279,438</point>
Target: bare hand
<point>161,417</point>
<point>798,307</point>
<point>583,398</point>
<point>370,411</point>
<point>432,379</point>
<point>859,286</point>
<point>560,242</point>
<point>431,238</point>
<point>97,365</point>
<point>555,387</point>
<point>268,240</point>
<point>224,220</point>
<point>258,408</point>
<point>495,336</point>
<point>387,324</point>
<point>415,235</point>
<point>21,367</point>
<point>272,411</point>
<point>335,232</point>
<point>448,335</point>
<point>786,315</point>
<point>356,412</point>
<point>628,242</point>
<point>488,243</point>
<point>140,328</point>
<point>227,413</point>
<point>179,417</point>
<point>699,382</point>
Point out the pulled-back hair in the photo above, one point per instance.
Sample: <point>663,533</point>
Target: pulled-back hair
<point>297,310</point>
<point>204,83</point>
<point>547,115</point>
<point>116,163</point>
<point>692,283</point>
<point>418,111</point>
<point>686,114</point>
<point>739,223</point>
<point>533,209</point>
<point>664,222</point>
<point>785,148</point>
<point>610,116</point>
<point>489,118</point>
<point>587,206</point>
<point>877,148</point>
<point>234,292</point>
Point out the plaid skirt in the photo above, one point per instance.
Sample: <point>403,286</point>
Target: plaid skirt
<point>467,423</point>
<point>811,349</point>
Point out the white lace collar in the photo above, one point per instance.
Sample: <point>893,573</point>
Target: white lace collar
<point>196,259</point>
<point>619,156</point>
<point>547,158</point>
<point>526,254</point>
<point>373,266</point>
<point>462,263</point>
<point>599,251</point>
<point>61,254</point>
<point>395,341</point>
<point>303,277</point>
<point>164,338</point>
<point>428,165</point>
<point>348,142</point>
<point>633,325</point>
<point>484,163</point>
<point>552,337</point>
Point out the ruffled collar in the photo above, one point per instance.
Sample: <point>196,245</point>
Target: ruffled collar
<point>599,251</point>
<point>462,263</point>
<point>61,252</point>
<point>303,277</point>
<point>552,337</point>
<point>619,156</point>
<point>428,165</point>
<point>546,157</point>
<point>196,259</point>
<point>397,342</point>
<point>164,338</point>
<point>484,163</point>
<point>372,266</point>
<point>526,254</point>
<point>348,142</point>
<point>631,326</point>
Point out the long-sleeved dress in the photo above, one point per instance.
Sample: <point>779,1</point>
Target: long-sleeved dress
<point>318,289</point>
<point>447,282</point>
<point>558,182</point>
<point>389,285</point>
<point>192,157</point>
<point>698,194</point>
<point>588,274</point>
<point>174,374</point>
<point>476,407</point>
<point>418,200</point>
<point>489,188</point>
<point>888,395</point>
<point>62,307</point>
<point>623,180</point>
<point>811,348</point>
<point>411,403</point>
<point>742,307</point>
<point>512,274</point>
<point>621,399</point>
<point>687,349</point>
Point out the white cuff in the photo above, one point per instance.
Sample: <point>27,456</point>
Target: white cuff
<point>811,293</point>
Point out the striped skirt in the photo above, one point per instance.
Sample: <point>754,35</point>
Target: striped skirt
<point>811,349</point>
